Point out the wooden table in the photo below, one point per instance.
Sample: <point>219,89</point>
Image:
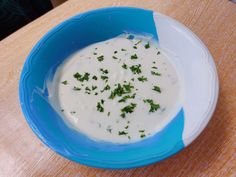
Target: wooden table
<point>212,154</point>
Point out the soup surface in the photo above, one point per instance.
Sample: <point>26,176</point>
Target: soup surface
<point>121,90</point>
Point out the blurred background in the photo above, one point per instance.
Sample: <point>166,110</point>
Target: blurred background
<point>16,13</point>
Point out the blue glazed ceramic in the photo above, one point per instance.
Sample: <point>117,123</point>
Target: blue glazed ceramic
<point>99,25</point>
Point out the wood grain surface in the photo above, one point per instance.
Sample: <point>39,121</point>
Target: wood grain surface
<point>213,153</point>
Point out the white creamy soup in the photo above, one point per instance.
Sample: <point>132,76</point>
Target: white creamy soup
<point>121,90</point>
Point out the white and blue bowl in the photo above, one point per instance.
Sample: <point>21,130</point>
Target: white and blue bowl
<point>189,54</point>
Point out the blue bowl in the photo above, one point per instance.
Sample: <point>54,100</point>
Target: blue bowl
<point>54,47</point>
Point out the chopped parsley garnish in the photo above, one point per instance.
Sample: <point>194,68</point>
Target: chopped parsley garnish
<point>114,57</point>
<point>107,87</point>
<point>109,113</point>
<point>157,89</point>
<point>141,131</point>
<point>122,133</point>
<point>96,93</point>
<point>128,109</point>
<point>94,87</point>
<point>87,89</point>
<point>135,47</point>
<point>129,137</point>
<point>94,77</point>
<point>100,58</point>
<point>72,112</point>
<point>126,97</point>
<point>127,126</point>
<point>115,52</point>
<point>158,53</point>
<point>62,110</point>
<point>76,88</point>
<point>100,107</point>
<point>120,90</point>
<point>154,67</point>
<point>147,45</point>
<point>102,101</point>
<point>128,87</point>
<point>136,69</point>
<point>104,71</point>
<point>104,77</point>
<point>124,66</point>
<point>65,82</point>
<point>142,79</point>
<point>82,78</point>
<point>155,73</point>
<point>132,79</point>
<point>138,42</point>
<point>154,62</point>
<point>153,106</point>
<point>134,57</point>
<point>142,135</point>
<point>109,129</point>
<point>123,49</point>
<point>94,53</point>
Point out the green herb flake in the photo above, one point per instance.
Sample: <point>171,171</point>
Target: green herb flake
<point>141,131</point>
<point>72,112</point>
<point>127,126</point>
<point>76,88</point>
<point>142,135</point>
<point>120,90</point>
<point>129,137</point>
<point>102,101</point>
<point>128,109</point>
<point>65,82</point>
<point>155,73</point>
<point>100,58</point>
<point>153,106</point>
<point>62,110</point>
<point>87,89</point>
<point>109,129</point>
<point>134,57</point>
<point>104,77</point>
<point>158,53</point>
<point>114,57</point>
<point>115,51</point>
<point>123,49</point>
<point>138,42</point>
<point>82,78</point>
<point>136,69</point>
<point>154,62</point>
<point>132,79</point>
<point>124,66</point>
<point>94,77</point>
<point>94,53</point>
<point>147,45</point>
<point>104,71</point>
<point>107,87</point>
<point>122,133</point>
<point>157,89</point>
<point>94,87</point>
<point>126,97</point>
<point>108,114</point>
<point>142,79</point>
<point>100,107</point>
<point>154,67</point>
<point>96,93</point>
<point>135,47</point>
